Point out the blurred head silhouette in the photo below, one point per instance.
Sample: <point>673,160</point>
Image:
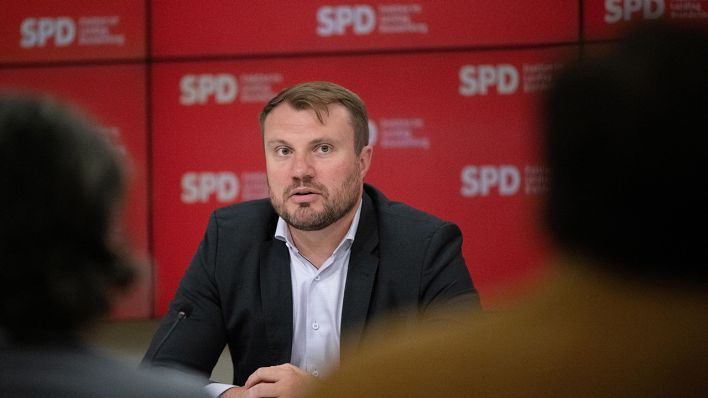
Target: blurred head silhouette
<point>60,261</point>
<point>627,149</point>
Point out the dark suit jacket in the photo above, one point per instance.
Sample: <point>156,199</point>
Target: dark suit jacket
<point>237,289</point>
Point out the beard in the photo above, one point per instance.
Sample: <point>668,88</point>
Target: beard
<point>334,205</point>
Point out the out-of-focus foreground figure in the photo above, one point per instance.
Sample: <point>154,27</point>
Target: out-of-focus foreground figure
<point>625,312</point>
<point>61,257</point>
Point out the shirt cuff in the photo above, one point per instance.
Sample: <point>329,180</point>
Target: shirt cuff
<point>216,389</point>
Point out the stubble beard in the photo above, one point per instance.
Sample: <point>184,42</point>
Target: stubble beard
<point>305,218</point>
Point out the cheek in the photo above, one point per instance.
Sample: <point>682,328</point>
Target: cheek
<point>335,175</point>
<point>276,172</point>
<point>275,183</point>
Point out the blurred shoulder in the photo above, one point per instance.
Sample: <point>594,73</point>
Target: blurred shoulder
<point>80,372</point>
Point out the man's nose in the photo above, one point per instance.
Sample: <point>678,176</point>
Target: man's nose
<point>302,167</point>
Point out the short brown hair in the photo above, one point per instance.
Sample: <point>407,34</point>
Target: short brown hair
<point>318,96</point>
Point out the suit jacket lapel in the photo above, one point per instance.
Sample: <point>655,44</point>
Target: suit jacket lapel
<point>361,274</point>
<point>277,300</point>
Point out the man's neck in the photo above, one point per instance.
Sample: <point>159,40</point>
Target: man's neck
<point>317,246</point>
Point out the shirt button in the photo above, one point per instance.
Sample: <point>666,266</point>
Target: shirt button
<point>315,325</point>
<point>317,278</point>
<point>316,373</point>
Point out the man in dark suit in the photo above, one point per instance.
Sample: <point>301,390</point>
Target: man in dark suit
<point>284,282</point>
<point>61,261</point>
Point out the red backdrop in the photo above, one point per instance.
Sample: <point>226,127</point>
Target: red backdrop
<point>452,92</point>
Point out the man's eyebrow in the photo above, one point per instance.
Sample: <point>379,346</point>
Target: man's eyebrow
<point>277,142</point>
<point>321,141</point>
<point>316,141</point>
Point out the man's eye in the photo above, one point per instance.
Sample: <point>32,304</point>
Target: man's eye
<point>283,151</point>
<point>325,148</point>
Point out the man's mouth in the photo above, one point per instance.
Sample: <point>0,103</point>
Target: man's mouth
<point>303,194</point>
<point>302,191</point>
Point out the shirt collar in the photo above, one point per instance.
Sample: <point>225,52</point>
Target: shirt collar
<point>282,232</point>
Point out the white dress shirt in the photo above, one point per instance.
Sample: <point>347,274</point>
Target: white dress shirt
<point>318,295</point>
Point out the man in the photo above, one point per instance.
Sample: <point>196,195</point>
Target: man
<point>284,282</point>
<point>626,312</point>
<point>61,258</point>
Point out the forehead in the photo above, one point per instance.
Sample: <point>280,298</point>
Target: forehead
<point>284,118</point>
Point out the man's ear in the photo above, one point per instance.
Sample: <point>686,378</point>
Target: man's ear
<point>365,160</point>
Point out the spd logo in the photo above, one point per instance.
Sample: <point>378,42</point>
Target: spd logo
<point>38,32</point>
<point>201,187</point>
<point>336,20</point>
<point>199,89</point>
<point>480,79</point>
<point>480,180</point>
<point>618,10</point>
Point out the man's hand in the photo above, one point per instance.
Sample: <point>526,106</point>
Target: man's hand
<point>235,392</point>
<point>282,381</point>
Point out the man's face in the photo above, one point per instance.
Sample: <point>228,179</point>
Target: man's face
<point>314,175</point>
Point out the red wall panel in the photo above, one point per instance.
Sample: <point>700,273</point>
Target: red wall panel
<point>226,27</point>
<point>72,30</point>
<point>607,19</point>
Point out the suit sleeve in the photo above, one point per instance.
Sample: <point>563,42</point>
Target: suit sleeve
<point>196,342</point>
<point>446,284</point>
